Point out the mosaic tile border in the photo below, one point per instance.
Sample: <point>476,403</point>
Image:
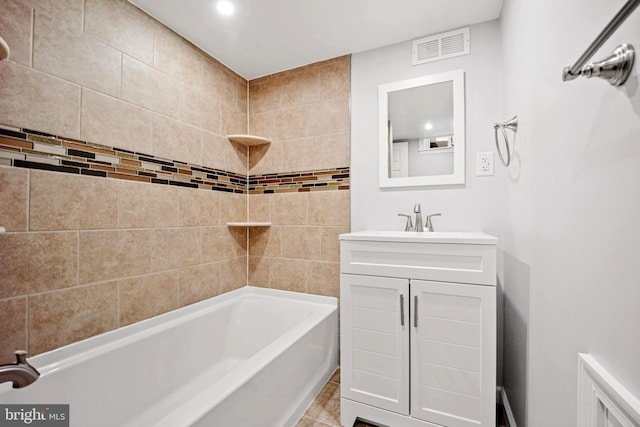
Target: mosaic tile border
<point>319,180</point>
<point>27,148</point>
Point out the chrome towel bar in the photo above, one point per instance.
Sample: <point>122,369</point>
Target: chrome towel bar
<point>616,67</point>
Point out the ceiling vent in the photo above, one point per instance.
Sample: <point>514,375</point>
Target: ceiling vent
<point>440,46</point>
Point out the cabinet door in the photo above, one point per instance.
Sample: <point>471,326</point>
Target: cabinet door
<point>374,337</point>
<point>453,353</point>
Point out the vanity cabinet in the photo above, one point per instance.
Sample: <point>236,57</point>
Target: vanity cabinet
<point>418,329</point>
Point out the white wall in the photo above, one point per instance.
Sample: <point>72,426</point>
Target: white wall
<point>473,206</point>
<point>572,209</point>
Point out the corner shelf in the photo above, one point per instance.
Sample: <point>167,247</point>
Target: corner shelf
<point>249,140</point>
<point>249,224</point>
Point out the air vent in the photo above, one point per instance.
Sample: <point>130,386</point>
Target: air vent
<point>440,46</point>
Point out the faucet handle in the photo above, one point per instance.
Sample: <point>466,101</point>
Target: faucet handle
<point>21,356</point>
<point>429,224</point>
<point>409,225</point>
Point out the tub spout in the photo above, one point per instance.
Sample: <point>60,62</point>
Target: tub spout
<point>21,373</point>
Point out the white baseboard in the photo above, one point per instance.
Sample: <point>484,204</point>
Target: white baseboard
<point>507,408</point>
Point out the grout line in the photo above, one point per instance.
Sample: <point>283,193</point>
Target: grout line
<point>33,29</point>
<point>26,323</point>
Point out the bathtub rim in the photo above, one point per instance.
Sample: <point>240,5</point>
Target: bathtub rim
<point>79,351</point>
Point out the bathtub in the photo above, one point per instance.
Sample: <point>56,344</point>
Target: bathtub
<point>251,357</point>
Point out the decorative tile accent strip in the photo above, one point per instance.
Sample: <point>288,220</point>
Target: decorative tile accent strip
<point>325,179</point>
<point>32,149</point>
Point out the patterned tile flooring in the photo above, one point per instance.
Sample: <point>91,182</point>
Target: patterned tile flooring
<point>325,410</point>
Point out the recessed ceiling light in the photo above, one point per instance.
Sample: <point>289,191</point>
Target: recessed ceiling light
<point>225,7</point>
<point>428,126</point>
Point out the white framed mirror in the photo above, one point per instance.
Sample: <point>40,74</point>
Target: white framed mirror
<point>422,131</point>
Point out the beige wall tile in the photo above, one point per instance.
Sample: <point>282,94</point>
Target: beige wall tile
<point>323,278</point>
<point>301,242</point>
<point>67,12</point>
<point>233,121</point>
<point>242,94</point>
<point>336,150</point>
<point>233,274</point>
<point>14,194</point>
<point>32,99</point>
<point>199,207</point>
<point>290,208</point>
<point>109,121</point>
<point>62,317</point>
<point>223,84</point>
<point>330,116</point>
<point>265,94</point>
<point>219,153</point>
<point>199,109</point>
<point>290,123</point>
<point>199,282</point>
<point>316,152</point>
<point>121,25</point>
<point>301,86</point>
<point>262,123</point>
<point>234,207</point>
<point>330,249</point>
<point>302,154</point>
<point>144,205</point>
<point>265,241</point>
<point>15,21</point>
<point>329,208</point>
<point>106,255</point>
<point>260,207</point>
<point>175,140</point>
<point>220,243</point>
<point>335,76</point>
<point>288,274</point>
<point>177,57</point>
<point>143,297</point>
<point>265,159</point>
<point>259,271</point>
<point>147,87</point>
<point>74,56</point>
<point>70,202</point>
<point>175,247</point>
<point>13,317</point>
<point>37,262</point>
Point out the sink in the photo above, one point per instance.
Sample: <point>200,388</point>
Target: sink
<point>474,238</point>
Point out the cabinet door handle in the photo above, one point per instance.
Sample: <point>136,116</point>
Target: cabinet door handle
<point>415,311</point>
<point>401,309</point>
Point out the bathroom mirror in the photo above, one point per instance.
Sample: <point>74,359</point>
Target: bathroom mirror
<point>421,131</point>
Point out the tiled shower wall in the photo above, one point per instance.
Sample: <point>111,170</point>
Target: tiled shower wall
<point>305,112</point>
<point>84,255</point>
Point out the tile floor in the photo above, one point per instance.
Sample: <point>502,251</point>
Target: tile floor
<point>325,410</point>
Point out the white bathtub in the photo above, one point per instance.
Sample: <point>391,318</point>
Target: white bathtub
<point>252,357</point>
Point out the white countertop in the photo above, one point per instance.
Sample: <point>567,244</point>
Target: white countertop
<point>470,238</point>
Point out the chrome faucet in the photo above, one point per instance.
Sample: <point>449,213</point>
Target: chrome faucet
<point>429,223</point>
<point>418,212</point>
<point>409,225</point>
<point>21,373</point>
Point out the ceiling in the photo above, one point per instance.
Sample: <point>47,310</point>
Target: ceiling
<point>264,37</point>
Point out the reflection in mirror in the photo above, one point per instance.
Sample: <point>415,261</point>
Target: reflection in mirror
<point>422,131</point>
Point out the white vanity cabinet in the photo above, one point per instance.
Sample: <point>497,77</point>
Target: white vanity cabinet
<point>418,328</point>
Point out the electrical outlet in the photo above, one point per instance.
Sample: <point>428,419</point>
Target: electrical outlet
<point>484,164</point>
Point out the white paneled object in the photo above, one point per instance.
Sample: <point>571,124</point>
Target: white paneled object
<point>418,352</point>
<point>602,400</point>
<point>440,46</point>
<point>374,312</point>
<point>453,353</point>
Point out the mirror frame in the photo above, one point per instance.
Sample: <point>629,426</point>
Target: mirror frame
<point>384,156</point>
